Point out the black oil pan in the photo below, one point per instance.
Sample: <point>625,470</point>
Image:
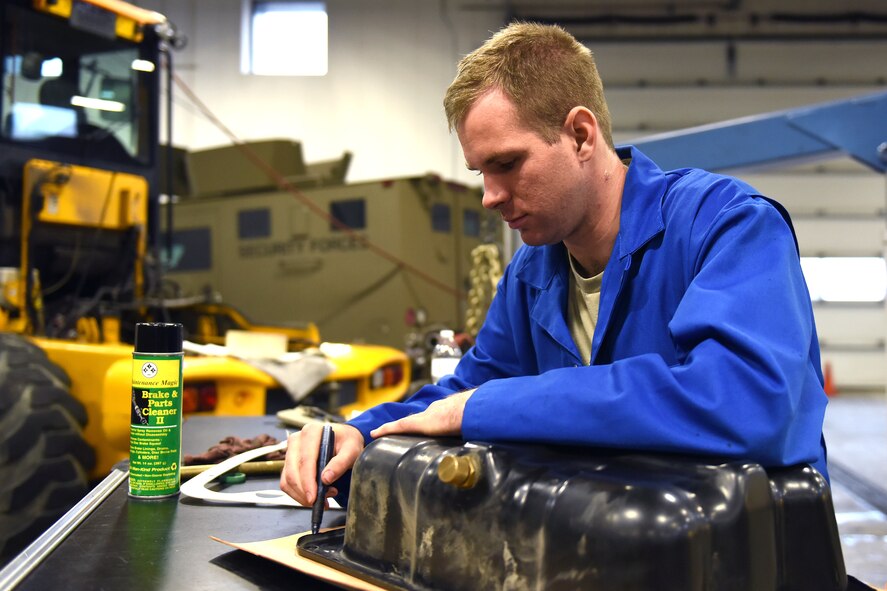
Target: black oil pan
<point>438,514</point>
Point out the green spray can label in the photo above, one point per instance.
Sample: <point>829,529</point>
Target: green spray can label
<point>155,433</point>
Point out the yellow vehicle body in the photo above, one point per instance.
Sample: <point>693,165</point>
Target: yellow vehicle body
<point>101,380</point>
<point>82,263</point>
<point>98,363</point>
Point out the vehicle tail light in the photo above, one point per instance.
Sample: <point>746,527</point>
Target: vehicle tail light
<point>386,376</point>
<point>199,397</point>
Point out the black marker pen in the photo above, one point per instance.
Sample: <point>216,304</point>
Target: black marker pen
<point>327,445</point>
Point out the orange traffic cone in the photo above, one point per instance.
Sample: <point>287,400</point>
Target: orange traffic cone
<point>829,385</point>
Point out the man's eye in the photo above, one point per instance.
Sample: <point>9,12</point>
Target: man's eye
<point>508,165</point>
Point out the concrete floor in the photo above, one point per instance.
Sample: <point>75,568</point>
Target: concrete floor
<point>856,435</point>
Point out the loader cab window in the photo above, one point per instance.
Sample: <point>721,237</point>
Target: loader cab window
<point>73,91</point>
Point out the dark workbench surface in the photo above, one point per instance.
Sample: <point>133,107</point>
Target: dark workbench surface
<point>137,544</point>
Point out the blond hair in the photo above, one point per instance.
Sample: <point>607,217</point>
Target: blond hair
<point>542,69</point>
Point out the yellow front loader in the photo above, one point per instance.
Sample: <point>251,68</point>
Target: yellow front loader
<point>80,264</point>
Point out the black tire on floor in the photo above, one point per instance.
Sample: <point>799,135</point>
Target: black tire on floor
<point>44,459</point>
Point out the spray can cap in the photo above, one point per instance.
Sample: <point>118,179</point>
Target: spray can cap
<point>158,337</point>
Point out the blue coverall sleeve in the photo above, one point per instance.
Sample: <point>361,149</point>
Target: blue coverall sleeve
<point>482,368</point>
<point>743,386</point>
<point>391,411</point>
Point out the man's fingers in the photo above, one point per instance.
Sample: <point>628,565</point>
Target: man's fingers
<point>290,479</point>
<point>442,417</point>
<point>399,426</point>
<point>299,476</point>
<point>309,445</point>
<point>349,444</point>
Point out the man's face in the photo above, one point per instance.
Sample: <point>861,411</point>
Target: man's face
<point>536,187</point>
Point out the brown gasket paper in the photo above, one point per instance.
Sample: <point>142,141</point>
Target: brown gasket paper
<point>283,551</point>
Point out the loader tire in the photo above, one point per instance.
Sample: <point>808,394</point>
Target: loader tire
<point>44,459</point>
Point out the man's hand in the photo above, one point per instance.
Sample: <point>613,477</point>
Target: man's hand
<point>299,476</point>
<point>442,417</point>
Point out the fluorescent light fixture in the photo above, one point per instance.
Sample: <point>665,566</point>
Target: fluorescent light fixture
<point>97,104</point>
<point>51,68</point>
<point>143,65</point>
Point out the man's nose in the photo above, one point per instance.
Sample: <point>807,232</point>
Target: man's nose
<point>494,195</point>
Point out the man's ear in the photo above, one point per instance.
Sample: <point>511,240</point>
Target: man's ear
<point>581,126</point>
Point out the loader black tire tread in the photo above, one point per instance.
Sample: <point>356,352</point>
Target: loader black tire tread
<point>44,458</point>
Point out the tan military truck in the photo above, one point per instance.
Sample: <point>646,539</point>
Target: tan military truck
<point>371,261</point>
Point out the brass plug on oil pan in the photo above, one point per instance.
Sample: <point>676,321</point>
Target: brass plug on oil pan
<point>459,471</point>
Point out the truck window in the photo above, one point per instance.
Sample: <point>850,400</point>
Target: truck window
<point>191,250</point>
<point>351,212</point>
<point>254,223</point>
<point>440,218</point>
<point>471,223</point>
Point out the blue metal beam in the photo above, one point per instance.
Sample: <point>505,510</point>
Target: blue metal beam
<point>854,127</point>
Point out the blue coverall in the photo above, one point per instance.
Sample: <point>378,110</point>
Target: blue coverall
<point>705,342</point>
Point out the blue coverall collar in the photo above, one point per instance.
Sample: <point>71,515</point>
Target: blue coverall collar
<point>640,217</point>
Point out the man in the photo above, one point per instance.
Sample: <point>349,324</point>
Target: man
<point>650,310</point>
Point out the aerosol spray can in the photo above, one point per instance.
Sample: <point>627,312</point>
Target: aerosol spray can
<point>155,433</point>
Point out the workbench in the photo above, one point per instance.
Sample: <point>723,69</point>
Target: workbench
<point>164,544</point>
